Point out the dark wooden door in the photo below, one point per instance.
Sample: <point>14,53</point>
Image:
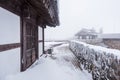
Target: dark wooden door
<point>29,42</point>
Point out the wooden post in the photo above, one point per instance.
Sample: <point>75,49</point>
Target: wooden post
<point>43,40</point>
<point>21,40</point>
<point>37,44</point>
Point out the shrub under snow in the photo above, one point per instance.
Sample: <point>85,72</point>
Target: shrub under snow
<point>102,63</point>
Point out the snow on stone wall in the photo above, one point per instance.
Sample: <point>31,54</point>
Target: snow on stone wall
<point>91,41</point>
<point>101,62</point>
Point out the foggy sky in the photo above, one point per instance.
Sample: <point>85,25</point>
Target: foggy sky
<point>74,15</point>
<point>77,14</point>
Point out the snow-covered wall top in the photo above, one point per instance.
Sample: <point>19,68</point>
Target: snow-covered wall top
<point>102,63</point>
<point>100,49</point>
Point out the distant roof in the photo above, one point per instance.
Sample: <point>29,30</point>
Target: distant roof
<point>110,36</point>
<point>86,32</point>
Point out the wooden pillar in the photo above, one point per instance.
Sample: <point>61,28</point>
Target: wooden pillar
<point>43,40</point>
<point>21,40</point>
<point>37,43</point>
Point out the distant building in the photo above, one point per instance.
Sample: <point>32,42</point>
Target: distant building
<point>90,36</point>
<point>86,34</point>
<point>111,40</point>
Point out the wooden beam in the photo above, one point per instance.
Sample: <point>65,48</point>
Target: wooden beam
<point>43,40</point>
<point>21,40</point>
<point>11,5</point>
<point>37,43</point>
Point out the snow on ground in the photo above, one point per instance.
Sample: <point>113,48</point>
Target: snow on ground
<point>69,63</point>
<point>61,65</point>
<point>50,44</point>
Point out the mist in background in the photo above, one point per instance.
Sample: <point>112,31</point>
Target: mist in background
<point>78,14</point>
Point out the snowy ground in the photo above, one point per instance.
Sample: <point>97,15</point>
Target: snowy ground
<point>61,66</point>
<point>51,44</point>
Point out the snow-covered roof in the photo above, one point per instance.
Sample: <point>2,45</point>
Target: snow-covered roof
<point>110,36</point>
<point>86,32</point>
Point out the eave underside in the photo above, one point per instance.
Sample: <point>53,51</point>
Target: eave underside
<point>37,8</point>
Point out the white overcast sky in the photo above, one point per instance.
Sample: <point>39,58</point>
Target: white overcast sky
<point>74,15</point>
<point>77,14</point>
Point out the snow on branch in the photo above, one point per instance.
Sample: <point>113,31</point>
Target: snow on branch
<point>102,63</point>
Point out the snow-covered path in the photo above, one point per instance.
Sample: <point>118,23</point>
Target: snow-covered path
<point>69,63</point>
<point>62,65</point>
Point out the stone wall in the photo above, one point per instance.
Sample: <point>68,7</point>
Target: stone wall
<point>112,43</point>
<point>102,65</point>
<point>91,41</point>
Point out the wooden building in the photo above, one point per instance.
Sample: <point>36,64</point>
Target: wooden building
<point>32,13</point>
<point>84,34</point>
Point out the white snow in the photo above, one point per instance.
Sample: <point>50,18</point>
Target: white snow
<point>57,67</point>
<point>48,69</point>
<point>50,44</point>
<point>102,60</point>
<point>101,49</point>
